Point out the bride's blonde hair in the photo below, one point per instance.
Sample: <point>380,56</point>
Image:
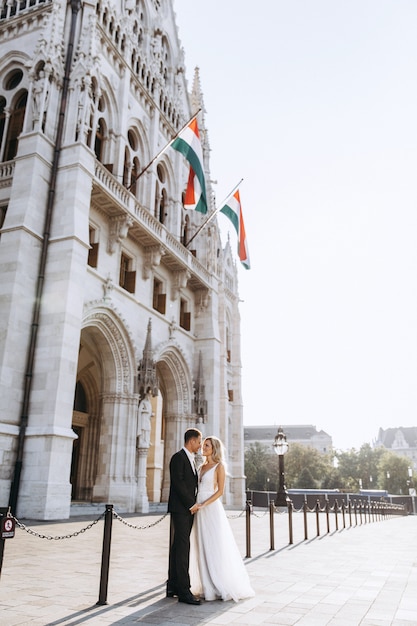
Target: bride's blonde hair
<point>218,449</point>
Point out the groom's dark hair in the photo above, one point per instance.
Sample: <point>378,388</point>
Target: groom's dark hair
<point>190,433</point>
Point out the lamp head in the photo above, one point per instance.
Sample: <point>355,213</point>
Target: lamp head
<point>280,442</point>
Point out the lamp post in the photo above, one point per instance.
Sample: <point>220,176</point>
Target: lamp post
<point>411,489</point>
<point>410,478</point>
<point>281,447</point>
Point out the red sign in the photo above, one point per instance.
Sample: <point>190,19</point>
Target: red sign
<point>7,527</point>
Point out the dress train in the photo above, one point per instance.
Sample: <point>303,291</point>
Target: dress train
<point>217,570</point>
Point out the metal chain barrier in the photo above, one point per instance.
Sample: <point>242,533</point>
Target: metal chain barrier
<point>134,526</point>
<point>30,531</point>
<point>241,514</point>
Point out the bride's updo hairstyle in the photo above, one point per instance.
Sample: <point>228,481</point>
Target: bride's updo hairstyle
<point>218,450</point>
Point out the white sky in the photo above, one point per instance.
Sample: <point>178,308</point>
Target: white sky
<point>314,104</point>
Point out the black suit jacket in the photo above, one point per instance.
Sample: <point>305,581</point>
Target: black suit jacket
<point>183,487</point>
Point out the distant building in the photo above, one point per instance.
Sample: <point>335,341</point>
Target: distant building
<point>304,435</point>
<point>402,441</point>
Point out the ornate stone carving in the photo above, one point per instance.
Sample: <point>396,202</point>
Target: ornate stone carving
<point>119,228</point>
<point>181,278</point>
<point>153,255</point>
<point>102,319</point>
<point>202,298</point>
<point>108,288</point>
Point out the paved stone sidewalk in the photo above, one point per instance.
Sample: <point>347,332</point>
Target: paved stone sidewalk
<point>365,574</point>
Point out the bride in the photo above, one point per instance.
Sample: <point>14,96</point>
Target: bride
<point>216,567</point>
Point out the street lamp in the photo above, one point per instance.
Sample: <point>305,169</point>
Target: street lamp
<point>281,447</point>
<point>411,489</point>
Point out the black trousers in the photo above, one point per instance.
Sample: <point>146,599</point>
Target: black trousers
<point>179,553</point>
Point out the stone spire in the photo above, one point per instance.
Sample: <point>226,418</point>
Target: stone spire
<point>147,378</point>
<point>200,402</point>
<point>197,102</point>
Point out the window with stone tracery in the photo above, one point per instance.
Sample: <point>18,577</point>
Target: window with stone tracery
<point>3,210</point>
<point>15,126</point>
<point>12,113</point>
<point>132,161</point>
<point>161,197</point>
<point>99,140</point>
<point>2,117</point>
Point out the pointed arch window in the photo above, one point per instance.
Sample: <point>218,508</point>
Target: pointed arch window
<point>162,206</point>
<point>228,349</point>
<point>99,140</point>
<point>2,118</point>
<point>126,168</point>
<point>15,127</point>
<point>161,197</point>
<point>133,155</point>
<point>135,174</point>
<point>186,230</point>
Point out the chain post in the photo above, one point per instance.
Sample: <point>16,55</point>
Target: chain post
<point>3,511</point>
<point>318,517</point>
<point>105,556</point>
<point>328,515</point>
<point>271,525</point>
<point>290,529</point>
<point>305,508</point>
<point>248,512</point>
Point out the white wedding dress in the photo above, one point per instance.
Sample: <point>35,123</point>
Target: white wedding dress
<point>216,567</point>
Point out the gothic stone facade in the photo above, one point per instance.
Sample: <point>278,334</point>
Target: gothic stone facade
<point>117,332</point>
<point>401,441</point>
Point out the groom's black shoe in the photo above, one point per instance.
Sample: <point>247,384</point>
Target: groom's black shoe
<point>189,599</point>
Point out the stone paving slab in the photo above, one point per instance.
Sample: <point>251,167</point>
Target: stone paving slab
<point>358,575</point>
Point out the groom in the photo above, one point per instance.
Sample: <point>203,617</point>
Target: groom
<point>182,497</point>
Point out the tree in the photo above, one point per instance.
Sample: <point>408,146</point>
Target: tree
<point>305,467</point>
<point>393,472</point>
<point>305,480</point>
<point>300,458</point>
<point>348,470</point>
<point>368,463</point>
<point>259,467</point>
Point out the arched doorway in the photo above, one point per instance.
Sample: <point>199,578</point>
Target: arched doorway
<point>172,415</point>
<point>105,413</point>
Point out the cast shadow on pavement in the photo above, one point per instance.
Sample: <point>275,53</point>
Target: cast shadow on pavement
<point>153,606</point>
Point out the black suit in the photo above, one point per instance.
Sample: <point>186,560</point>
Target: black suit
<point>182,496</point>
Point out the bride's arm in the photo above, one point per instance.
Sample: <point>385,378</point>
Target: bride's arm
<point>220,476</point>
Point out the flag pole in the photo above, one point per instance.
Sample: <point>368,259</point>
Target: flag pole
<point>161,152</point>
<point>213,214</point>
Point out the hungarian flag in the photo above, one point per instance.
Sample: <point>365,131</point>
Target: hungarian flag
<point>189,144</point>
<point>233,210</point>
